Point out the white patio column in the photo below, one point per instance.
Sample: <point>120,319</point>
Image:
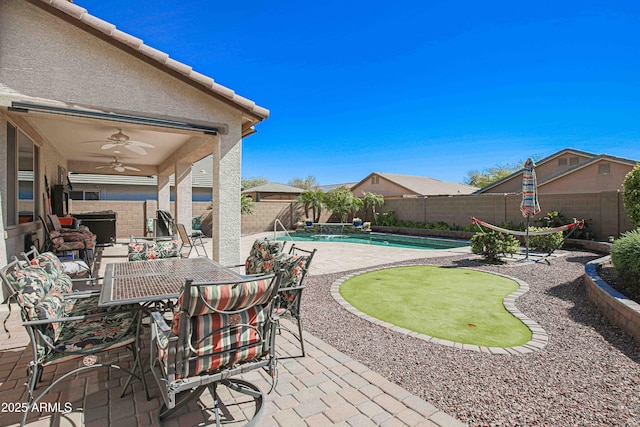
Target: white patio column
<point>183,195</point>
<point>227,157</point>
<point>164,193</point>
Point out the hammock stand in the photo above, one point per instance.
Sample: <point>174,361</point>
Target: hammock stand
<point>571,227</point>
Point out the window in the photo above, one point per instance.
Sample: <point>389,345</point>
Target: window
<point>375,180</point>
<point>84,195</point>
<point>562,161</point>
<point>23,158</point>
<point>573,161</point>
<point>604,169</point>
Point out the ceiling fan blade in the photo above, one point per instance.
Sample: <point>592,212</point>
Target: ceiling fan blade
<point>141,144</point>
<point>131,168</point>
<point>92,142</point>
<point>136,149</point>
<point>109,145</point>
<point>101,167</point>
<point>119,168</point>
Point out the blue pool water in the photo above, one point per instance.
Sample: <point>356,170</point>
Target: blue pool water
<point>379,239</point>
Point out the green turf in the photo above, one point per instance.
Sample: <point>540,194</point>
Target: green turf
<point>455,304</point>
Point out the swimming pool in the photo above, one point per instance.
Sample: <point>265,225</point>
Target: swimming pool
<point>379,239</point>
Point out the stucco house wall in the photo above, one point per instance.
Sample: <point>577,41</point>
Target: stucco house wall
<point>59,52</point>
<point>589,179</point>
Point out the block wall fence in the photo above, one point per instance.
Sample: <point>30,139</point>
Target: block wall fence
<point>604,211</point>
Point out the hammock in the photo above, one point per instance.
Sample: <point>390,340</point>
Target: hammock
<point>580,224</point>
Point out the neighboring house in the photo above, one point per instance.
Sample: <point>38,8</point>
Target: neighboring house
<point>570,171</point>
<point>75,91</point>
<point>273,191</point>
<point>392,186</point>
<point>141,188</point>
<point>330,187</point>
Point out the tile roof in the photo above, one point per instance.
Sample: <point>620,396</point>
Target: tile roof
<point>79,16</point>
<point>426,186</point>
<point>274,187</point>
<point>330,187</point>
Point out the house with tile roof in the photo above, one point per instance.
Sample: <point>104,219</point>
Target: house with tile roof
<point>76,92</point>
<point>273,191</point>
<point>393,186</point>
<point>570,171</point>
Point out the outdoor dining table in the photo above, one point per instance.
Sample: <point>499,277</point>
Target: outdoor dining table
<point>154,284</point>
<point>155,281</point>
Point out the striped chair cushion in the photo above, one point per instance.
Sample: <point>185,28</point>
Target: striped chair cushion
<point>230,297</point>
<point>222,339</point>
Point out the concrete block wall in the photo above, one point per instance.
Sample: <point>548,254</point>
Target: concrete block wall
<point>265,213</point>
<point>131,215</point>
<point>603,210</point>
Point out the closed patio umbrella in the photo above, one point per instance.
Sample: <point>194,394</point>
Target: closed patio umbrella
<point>529,205</point>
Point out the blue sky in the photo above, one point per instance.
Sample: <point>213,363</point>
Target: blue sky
<point>431,88</point>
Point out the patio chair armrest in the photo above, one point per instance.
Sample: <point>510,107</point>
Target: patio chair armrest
<point>160,322</point>
<point>75,318</point>
<point>81,294</point>
<point>291,288</point>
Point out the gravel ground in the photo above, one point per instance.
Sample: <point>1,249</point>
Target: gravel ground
<point>588,375</point>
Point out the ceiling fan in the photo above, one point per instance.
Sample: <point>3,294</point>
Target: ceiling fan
<point>117,166</point>
<point>120,139</point>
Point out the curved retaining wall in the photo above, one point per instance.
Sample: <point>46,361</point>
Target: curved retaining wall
<point>619,309</point>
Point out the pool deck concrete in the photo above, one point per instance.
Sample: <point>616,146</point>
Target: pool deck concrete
<point>325,388</point>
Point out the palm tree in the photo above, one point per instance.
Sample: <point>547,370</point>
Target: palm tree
<point>371,200</point>
<point>312,200</point>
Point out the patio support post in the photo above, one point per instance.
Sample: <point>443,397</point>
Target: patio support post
<point>183,195</point>
<point>226,225</point>
<point>164,193</point>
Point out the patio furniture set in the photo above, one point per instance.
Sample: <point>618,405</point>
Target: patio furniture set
<point>208,323</point>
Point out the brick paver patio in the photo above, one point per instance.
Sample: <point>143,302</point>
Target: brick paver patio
<point>325,388</point>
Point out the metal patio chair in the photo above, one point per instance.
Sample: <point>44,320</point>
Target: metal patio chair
<point>64,325</point>
<point>193,241</point>
<point>219,331</point>
<point>295,268</point>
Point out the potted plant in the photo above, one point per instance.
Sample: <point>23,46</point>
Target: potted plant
<point>357,222</point>
<point>308,222</point>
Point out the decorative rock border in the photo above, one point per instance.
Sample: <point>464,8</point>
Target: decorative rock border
<point>617,307</point>
<point>539,338</point>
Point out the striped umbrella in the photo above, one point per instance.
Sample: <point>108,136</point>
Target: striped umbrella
<point>529,205</point>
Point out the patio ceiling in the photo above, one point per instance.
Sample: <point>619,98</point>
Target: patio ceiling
<point>68,134</point>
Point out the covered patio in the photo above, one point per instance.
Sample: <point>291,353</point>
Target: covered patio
<point>76,92</point>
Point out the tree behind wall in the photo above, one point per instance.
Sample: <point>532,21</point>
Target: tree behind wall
<point>631,196</point>
<point>342,202</point>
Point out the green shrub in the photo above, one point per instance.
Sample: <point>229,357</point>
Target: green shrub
<point>631,195</point>
<point>492,245</point>
<point>545,242</point>
<point>625,256</point>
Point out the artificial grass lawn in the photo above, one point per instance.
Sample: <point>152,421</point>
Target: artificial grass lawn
<point>455,304</point>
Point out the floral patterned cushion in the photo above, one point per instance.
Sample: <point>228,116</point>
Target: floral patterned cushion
<point>266,249</point>
<point>145,250</point>
<point>49,262</point>
<point>52,306</point>
<point>32,284</point>
<point>293,269</point>
<point>95,334</point>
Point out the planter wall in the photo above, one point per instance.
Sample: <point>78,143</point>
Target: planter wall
<point>620,310</point>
